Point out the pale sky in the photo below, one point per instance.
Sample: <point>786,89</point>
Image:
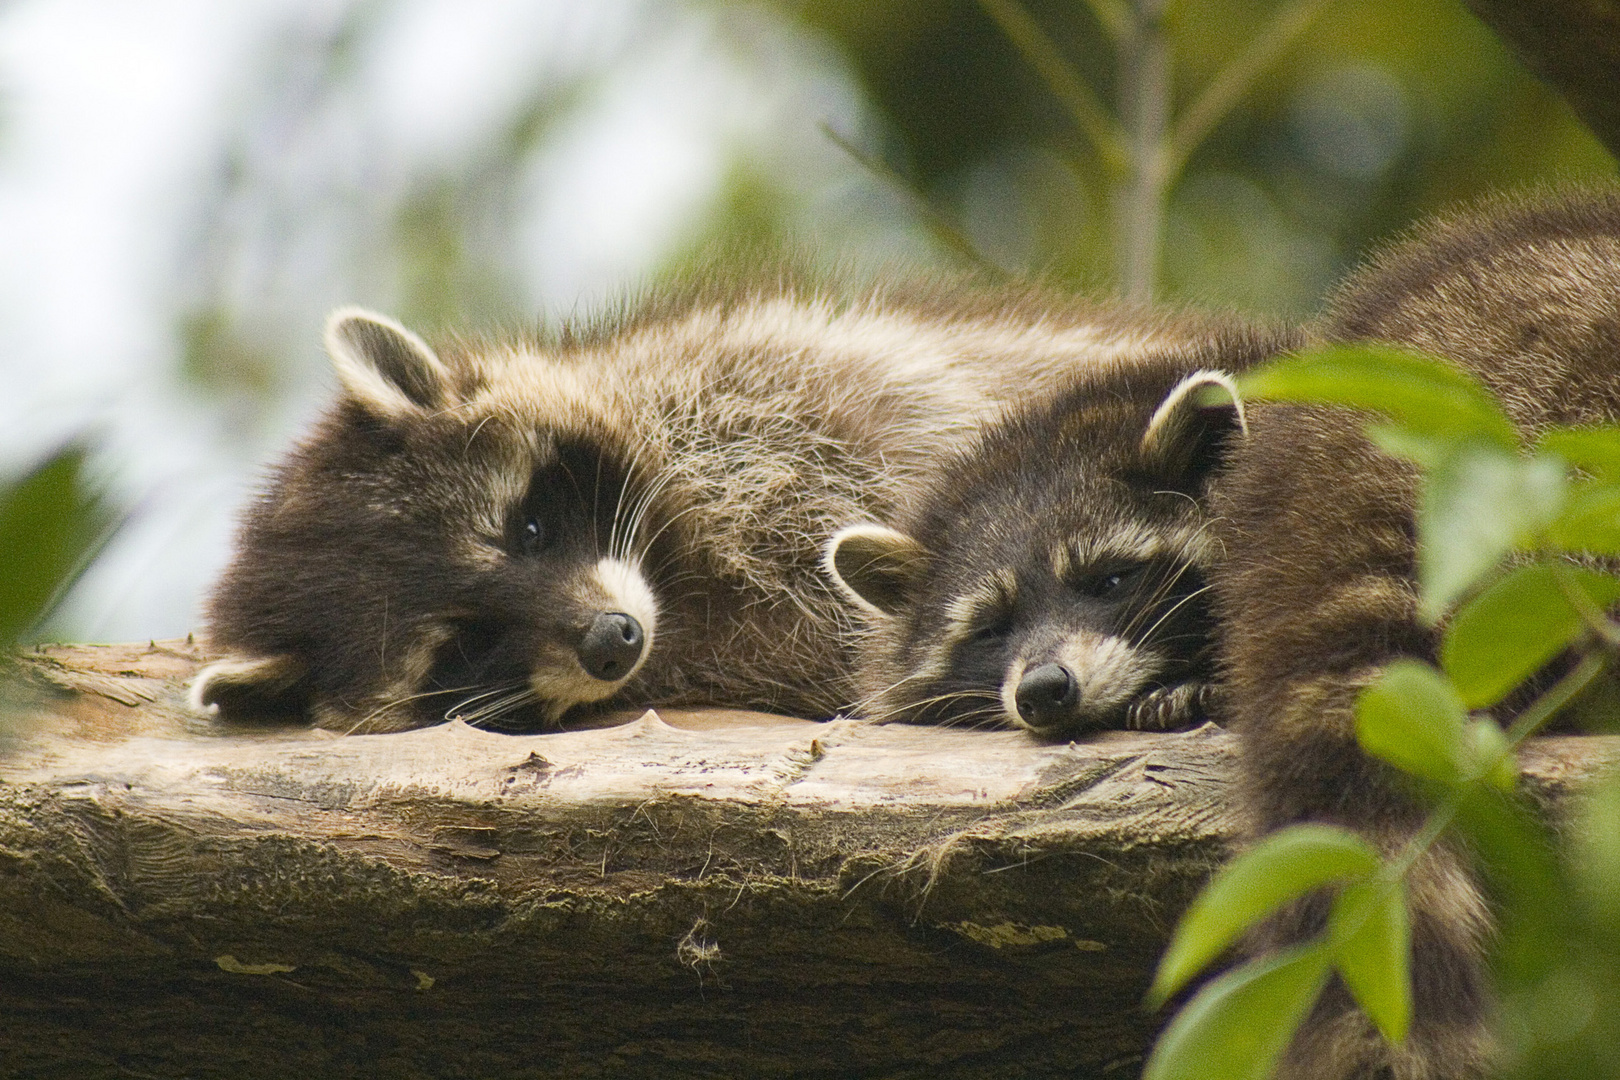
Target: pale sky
<point>120,128</point>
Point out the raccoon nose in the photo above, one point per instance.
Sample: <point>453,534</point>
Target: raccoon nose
<point>611,646</point>
<point>1046,696</point>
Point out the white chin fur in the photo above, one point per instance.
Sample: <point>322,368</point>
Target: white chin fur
<point>619,588</point>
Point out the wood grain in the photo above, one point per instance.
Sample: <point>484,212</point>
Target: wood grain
<point>687,894</point>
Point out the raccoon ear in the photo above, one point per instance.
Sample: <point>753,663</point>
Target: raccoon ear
<point>384,366</point>
<point>1186,434</point>
<point>876,566</point>
<point>250,688</point>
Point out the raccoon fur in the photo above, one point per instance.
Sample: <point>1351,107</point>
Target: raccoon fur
<point>1027,585</point>
<point>1304,534</point>
<point>622,514</point>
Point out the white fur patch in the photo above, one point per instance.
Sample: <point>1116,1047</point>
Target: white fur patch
<point>1109,670</point>
<point>628,592</point>
<point>256,669</point>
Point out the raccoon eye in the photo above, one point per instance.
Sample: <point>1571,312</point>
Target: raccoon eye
<point>534,537</point>
<point>1107,583</point>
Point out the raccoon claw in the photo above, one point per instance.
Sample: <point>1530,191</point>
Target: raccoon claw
<point>1170,708</point>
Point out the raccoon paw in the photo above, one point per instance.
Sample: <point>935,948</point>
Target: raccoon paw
<point>1170,708</point>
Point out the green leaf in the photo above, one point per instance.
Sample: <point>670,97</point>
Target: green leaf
<point>1491,758</point>
<point>1284,866</point>
<point>1590,520</point>
<point>1372,943</point>
<point>50,526</point>
<point>1427,397</point>
<point>1595,449</point>
<point>1594,857</point>
<point>1505,634</point>
<point>1479,505</point>
<point>1413,718</point>
<point>1239,1025</point>
<point>1426,451</point>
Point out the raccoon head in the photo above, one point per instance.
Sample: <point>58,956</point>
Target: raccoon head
<point>1054,578</point>
<point>430,552</point>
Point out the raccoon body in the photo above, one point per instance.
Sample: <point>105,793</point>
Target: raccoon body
<point>1304,534</point>
<point>626,514</point>
<point>1052,575</point>
<point>1317,593</point>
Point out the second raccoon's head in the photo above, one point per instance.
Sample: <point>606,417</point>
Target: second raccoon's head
<point>438,548</point>
<point>1053,577</point>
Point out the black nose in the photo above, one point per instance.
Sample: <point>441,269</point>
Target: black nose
<point>1047,696</point>
<point>611,646</point>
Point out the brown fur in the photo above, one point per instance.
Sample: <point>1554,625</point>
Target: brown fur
<point>709,435</point>
<point>1318,591</point>
<point>1025,553</point>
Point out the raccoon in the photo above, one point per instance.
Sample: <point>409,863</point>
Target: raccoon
<point>517,531</point>
<point>1053,576</point>
<point>1303,533</point>
<point>1317,591</point>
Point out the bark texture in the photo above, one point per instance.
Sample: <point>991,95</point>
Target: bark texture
<point>1574,46</point>
<point>693,894</point>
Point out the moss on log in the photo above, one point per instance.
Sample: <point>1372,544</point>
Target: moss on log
<point>692,894</point>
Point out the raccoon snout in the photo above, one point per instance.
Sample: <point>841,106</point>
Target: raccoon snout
<point>611,646</point>
<point>1047,696</point>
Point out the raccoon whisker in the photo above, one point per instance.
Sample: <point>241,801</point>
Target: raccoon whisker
<point>1174,608</point>
<point>394,703</point>
<point>622,544</point>
<point>483,695</point>
<point>494,710</point>
<point>957,695</point>
<point>467,446</point>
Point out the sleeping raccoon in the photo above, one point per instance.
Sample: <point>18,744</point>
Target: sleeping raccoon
<point>625,514</point>
<point>1029,586</point>
<point>1303,532</point>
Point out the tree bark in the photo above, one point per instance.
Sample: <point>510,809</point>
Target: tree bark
<point>1574,46</point>
<point>693,894</point>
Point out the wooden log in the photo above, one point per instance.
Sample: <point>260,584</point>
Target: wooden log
<point>692,894</point>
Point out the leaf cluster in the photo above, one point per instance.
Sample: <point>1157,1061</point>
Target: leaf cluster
<point>1508,533</point>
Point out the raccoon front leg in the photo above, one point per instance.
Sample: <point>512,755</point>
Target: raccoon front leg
<point>1170,708</point>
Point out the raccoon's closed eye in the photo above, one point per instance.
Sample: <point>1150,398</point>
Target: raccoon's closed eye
<point>991,631</point>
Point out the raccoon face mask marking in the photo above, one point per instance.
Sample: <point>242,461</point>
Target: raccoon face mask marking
<point>435,568</point>
<point>1053,577</point>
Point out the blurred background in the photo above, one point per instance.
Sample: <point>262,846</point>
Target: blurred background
<point>187,187</point>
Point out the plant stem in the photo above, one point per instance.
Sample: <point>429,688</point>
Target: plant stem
<point>1144,55</point>
<point>1236,79</point>
<point>1592,615</point>
<point>1084,107</point>
<point>942,228</point>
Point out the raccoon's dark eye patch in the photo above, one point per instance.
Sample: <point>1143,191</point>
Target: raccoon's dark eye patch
<point>990,631</point>
<point>1108,582</point>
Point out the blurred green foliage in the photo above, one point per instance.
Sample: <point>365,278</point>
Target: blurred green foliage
<point>1486,497</point>
<point>52,523</point>
<point>1381,112</point>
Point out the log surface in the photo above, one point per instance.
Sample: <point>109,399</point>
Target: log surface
<point>692,894</point>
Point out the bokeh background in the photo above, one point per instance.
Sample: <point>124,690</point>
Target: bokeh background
<point>187,187</point>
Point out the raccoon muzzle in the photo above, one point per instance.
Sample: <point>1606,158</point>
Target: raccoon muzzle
<point>612,646</point>
<point>1048,697</point>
